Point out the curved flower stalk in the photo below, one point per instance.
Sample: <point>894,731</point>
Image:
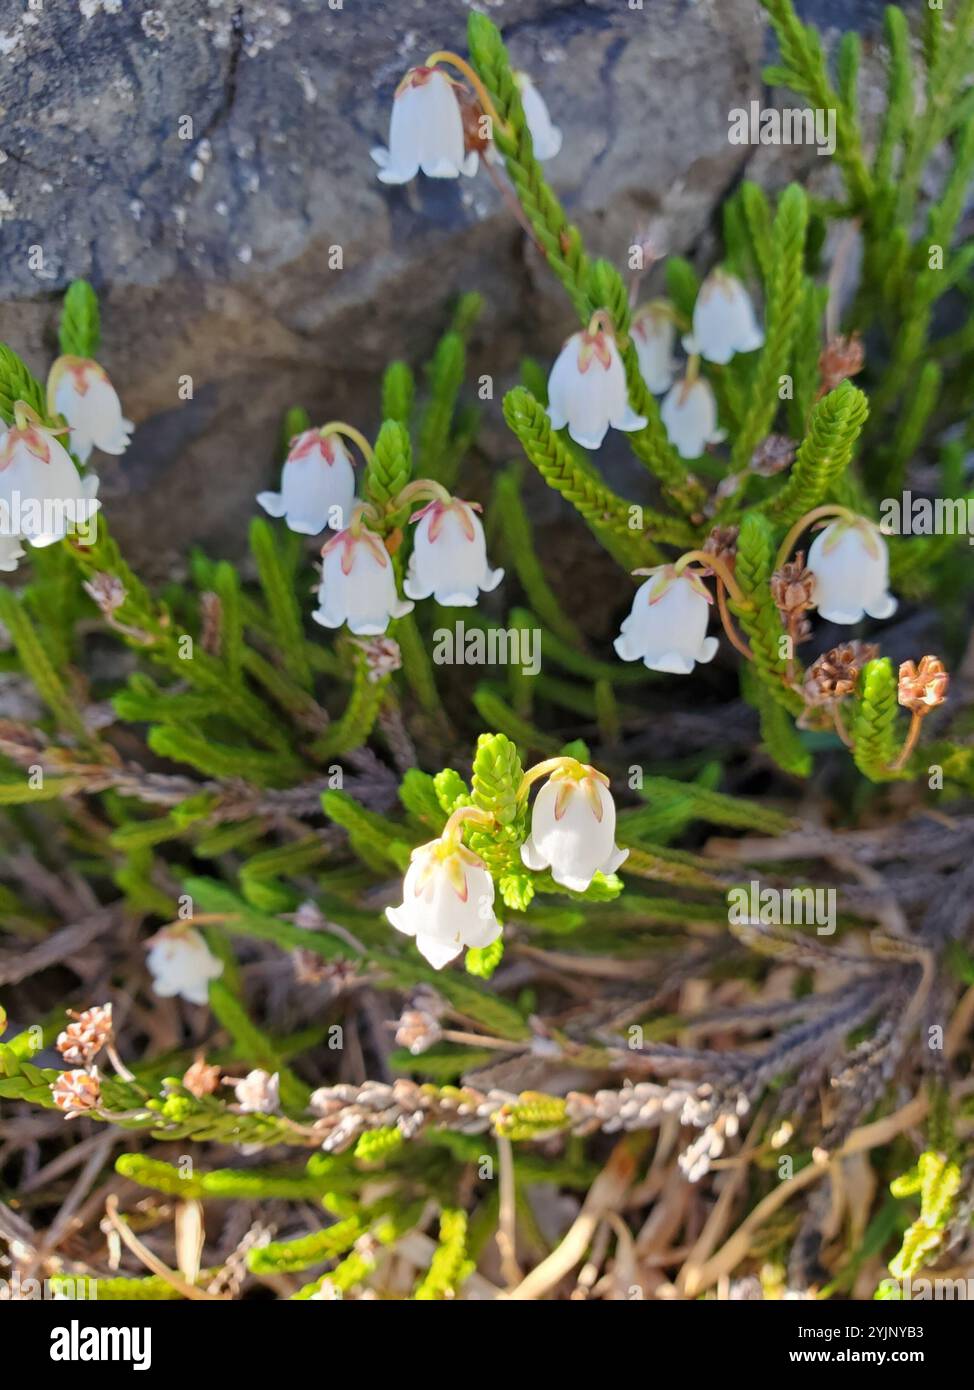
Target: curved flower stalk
<point>317,481</point>
<point>689,413</point>
<point>573,824</point>
<point>849,563</point>
<point>724,322</point>
<point>181,963</point>
<point>449,558</point>
<point>358,583</point>
<point>587,386</point>
<point>42,495</point>
<point>81,391</point>
<point>448,895</point>
<point>653,333</point>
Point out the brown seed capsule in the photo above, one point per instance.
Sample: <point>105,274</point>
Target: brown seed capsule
<point>793,587</point>
<point>722,542</point>
<point>922,687</point>
<point>835,673</point>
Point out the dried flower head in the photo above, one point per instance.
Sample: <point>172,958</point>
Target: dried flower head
<point>417,1031</point>
<point>722,542</point>
<point>773,455</point>
<point>922,687</point>
<point>382,657</point>
<point>793,587</point>
<point>835,673</point>
<point>84,1038</point>
<point>840,359</point>
<point>106,591</point>
<point>257,1092</point>
<point>75,1092</point>
<point>201,1079</point>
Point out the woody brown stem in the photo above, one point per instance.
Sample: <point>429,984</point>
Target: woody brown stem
<point>840,727</point>
<point>732,635</point>
<point>912,737</point>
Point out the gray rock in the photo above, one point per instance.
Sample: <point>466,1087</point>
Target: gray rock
<point>197,159</point>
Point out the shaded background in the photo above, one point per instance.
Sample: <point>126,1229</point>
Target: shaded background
<point>211,253</point>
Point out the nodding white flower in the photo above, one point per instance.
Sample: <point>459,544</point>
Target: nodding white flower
<point>587,388</point>
<point>317,485</point>
<point>447,901</point>
<point>654,334</point>
<point>545,136</point>
<point>689,412</point>
<point>724,322</point>
<point>81,391</point>
<point>41,490</point>
<point>573,828</point>
<point>426,130</point>
<point>180,962</point>
<point>449,558</point>
<point>851,567</point>
<point>667,624</point>
<point>358,584</point>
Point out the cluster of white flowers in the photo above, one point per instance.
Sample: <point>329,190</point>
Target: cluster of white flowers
<point>428,134</point>
<point>587,385</point>
<point>448,892</point>
<point>358,582</point>
<point>666,627</point>
<point>42,493</point>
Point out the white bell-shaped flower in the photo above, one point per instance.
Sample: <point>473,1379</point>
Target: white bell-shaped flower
<point>573,828</point>
<point>850,563</point>
<point>724,322</point>
<point>447,902</point>
<point>689,412</point>
<point>81,391</point>
<point>449,558</point>
<point>545,136</point>
<point>426,130</point>
<point>317,485</point>
<point>358,584</point>
<point>587,388</point>
<point>42,493</point>
<point>654,336</point>
<point>667,624</point>
<point>180,962</point>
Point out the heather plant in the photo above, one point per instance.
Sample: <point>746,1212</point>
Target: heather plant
<point>367,968</point>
